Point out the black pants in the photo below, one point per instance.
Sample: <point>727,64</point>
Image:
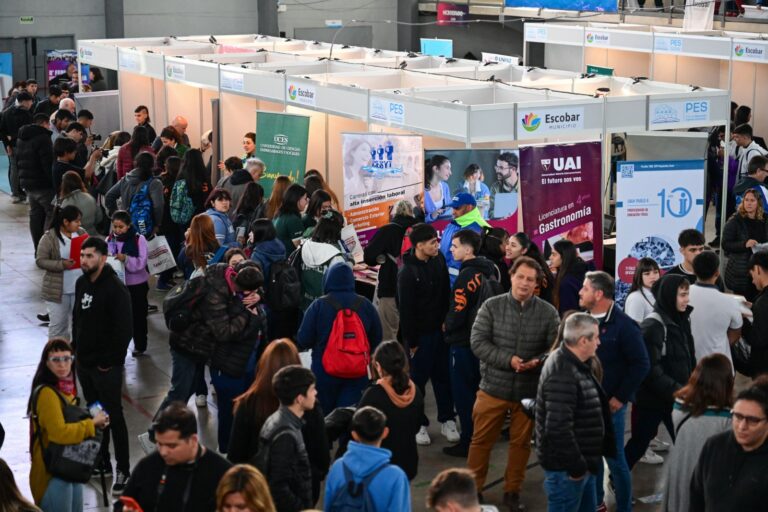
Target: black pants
<point>139,304</point>
<point>644,430</point>
<point>107,387</point>
<point>40,213</point>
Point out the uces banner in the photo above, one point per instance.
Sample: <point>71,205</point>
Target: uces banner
<point>281,142</point>
<point>379,170</point>
<point>561,196</point>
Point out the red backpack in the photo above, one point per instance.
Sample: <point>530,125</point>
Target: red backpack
<point>347,353</point>
<point>405,246</point>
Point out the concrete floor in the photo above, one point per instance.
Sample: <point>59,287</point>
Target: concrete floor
<point>147,379</point>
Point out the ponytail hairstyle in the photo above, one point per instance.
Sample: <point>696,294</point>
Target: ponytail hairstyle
<point>391,357</point>
<point>68,213</point>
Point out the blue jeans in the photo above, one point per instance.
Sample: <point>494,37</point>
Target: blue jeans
<point>620,474</point>
<point>61,496</point>
<point>333,392</point>
<point>185,374</point>
<point>465,381</point>
<point>227,389</point>
<point>566,495</point>
<point>431,362</point>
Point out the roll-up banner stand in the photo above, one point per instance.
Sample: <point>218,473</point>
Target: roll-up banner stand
<point>562,196</point>
<point>379,170</point>
<point>655,201</point>
<point>281,143</point>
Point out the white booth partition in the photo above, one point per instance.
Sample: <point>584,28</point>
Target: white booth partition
<point>191,85</point>
<point>141,77</point>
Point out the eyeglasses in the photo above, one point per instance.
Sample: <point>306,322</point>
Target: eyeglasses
<point>751,421</point>
<point>504,168</point>
<point>61,359</point>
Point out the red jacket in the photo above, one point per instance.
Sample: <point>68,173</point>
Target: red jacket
<point>125,160</point>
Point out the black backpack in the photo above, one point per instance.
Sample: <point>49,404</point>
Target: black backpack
<point>284,288</point>
<point>179,303</point>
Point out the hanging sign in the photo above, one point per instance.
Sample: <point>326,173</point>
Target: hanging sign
<point>452,14</point>
<point>599,70</point>
<point>538,122</point>
<point>301,94</point>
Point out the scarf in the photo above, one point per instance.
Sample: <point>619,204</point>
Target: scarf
<point>130,245</point>
<point>400,401</point>
<point>67,385</point>
<point>230,275</point>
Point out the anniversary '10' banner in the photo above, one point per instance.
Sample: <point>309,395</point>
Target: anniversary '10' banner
<point>561,196</point>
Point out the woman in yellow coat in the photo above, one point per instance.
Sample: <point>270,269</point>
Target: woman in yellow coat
<point>56,374</point>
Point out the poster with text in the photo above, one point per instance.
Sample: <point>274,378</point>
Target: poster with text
<point>379,170</point>
<point>6,73</point>
<point>56,64</point>
<point>490,175</point>
<point>561,197</point>
<point>281,142</point>
<point>654,202</point>
<point>567,5</point>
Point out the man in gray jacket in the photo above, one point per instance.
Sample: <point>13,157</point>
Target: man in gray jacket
<point>510,336</point>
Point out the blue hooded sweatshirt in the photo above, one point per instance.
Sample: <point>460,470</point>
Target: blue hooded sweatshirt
<point>225,232</point>
<point>267,253</point>
<point>389,490</point>
<point>339,283</point>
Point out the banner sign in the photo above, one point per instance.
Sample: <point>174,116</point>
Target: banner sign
<point>281,142</point>
<point>56,64</point>
<point>595,38</point>
<point>379,170</point>
<point>750,51</point>
<point>539,122</point>
<point>301,94</point>
<point>663,112</point>
<point>655,201</point>
<point>502,59</point>
<point>599,70</point>
<point>490,175</point>
<point>561,197</point>
<point>6,73</point>
<point>567,5</point>
<point>451,14</point>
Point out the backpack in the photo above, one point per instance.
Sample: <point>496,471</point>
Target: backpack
<point>141,210</point>
<point>354,496</point>
<point>489,287</point>
<point>179,304</point>
<point>182,208</point>
<point>347,352</point>
<point>284,286</point>
<point>405,246</point>
<point>657,318</point>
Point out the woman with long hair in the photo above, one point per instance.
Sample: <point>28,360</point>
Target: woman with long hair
<point>218,207</point>
<point>437,195</point>
<point>196,177</point>
<point>253,407</point>
<point>702,409</point>
<point>395,394</point>
<point>73,192</point>
<point>53,382</point>
<point>172,232</point>
<point>640,300</point>
<point>169,136</point>
<point>244,489</point>
<point>324,184</point>
<point>318,254</point>
<point>54,255</point>
<point>96,80</point>
<point>279,187</point>
<point>164,154</point>
<point>745,229</point>
<point>139,181</point>
<point>570,268</point>
<point>250,207</point>
<point>520,244</point>
<point>127,153</point>
<point>11,499</point>
<point>493,245</point>
<point>288,219</point>
<point>320,202</point>
<point>201,248</point>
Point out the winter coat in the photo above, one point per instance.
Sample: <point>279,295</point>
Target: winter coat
<point>46,107</point>
<point>124,163</point>
<point>101,323</point>
<point>339,284</point>
<point>34,157</point>
<point>387,241</point>
<point>423,291</point>
<point>471,220</point>
<point>11,122</point>
<point>48,258</point>
<point>135,266</point>
<point>235,184</point>
<point>219,317</point>
<point>92,214</point>
<point>316,259</point>
<point>389,489</point>
<point>670,348</point>
<point>573,422</point>
<point>128,187</point>
<point>756,334</point>
<point>289,227</point>
<point>232,357</point>
<point>745,184</point>
<point>266,253</point>
<point>570,285</point>
<point>225,233</point>
<point>735,236</point>
<point>464,299</point>
<point>504,328</point>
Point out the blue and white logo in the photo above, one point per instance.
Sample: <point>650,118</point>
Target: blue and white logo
<point>381,165</point>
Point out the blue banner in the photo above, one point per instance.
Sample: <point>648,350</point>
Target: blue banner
<point>567,5</point>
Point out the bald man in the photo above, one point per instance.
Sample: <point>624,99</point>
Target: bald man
<point>180,123</point>
<point>68,104</point>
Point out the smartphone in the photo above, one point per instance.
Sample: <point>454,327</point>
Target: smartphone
<point>130,504</point>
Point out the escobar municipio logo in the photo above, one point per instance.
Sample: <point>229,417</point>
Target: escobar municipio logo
<point>292,92</point>
<point>590,38</point>
<point>738,50</point>
<point>531,122</point>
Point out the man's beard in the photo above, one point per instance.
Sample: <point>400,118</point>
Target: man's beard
<point>88,271</point>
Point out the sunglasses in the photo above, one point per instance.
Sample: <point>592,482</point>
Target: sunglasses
<point>61,359</point>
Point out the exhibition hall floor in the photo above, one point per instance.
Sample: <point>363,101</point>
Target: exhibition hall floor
<point>146,381</point>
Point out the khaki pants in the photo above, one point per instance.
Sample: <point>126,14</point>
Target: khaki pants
<point>390,318</point>
<point>488,418</point>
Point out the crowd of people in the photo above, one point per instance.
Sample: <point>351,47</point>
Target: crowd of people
<point>514,345</point>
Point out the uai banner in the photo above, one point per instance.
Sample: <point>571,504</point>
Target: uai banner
<point>561,196</point>
<point>281,142</point>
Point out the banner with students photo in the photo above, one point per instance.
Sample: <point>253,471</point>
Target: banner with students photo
<point>281,143</point>
<point>379,170</point>
<point>490,175</point>
<point>561,197</point>
<point>56,64</point>
<point>655,201</point>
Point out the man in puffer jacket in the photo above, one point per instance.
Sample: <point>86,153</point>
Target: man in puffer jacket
<point>573,425</point>
<point>339,286</point>
<point>34,158</point>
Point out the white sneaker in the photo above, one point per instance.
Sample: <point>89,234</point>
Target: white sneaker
<point>651,457</point>
<point>147,446</point>
<point>201,401</point>
<point>658,445</point>
<point>448,429</point>
<point>422,437</point>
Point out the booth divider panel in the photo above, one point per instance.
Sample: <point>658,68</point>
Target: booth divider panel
<point>238,117</point>
<point>316,148</point>
<point>158,110</point>
<point>184,100</point>
<point>98,55</point>
<point>135,90</point>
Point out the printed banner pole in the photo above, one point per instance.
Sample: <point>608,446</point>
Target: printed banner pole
<point>281,142</point>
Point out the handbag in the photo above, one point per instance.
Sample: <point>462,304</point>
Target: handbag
<point>69,462</point>
<point>741,354</point>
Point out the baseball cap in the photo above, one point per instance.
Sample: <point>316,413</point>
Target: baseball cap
<point>462,199</point>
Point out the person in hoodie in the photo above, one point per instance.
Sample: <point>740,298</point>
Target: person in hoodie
<point>757,171</point>
<point>395,394</point>
<point>464,365</point>
<point>34,158</point>
<point>318,254</point>
<point>668,339</point>
<point>102,327</point>
<point>466,215</point>
<point>385,249</point>
<point>423,292</point>
<point>218,208</point>
<point>131,183</point>
<point>339,286</point>
<point>366,461</point>
<point>130,248</point>
<point>234,182</point>
<point>570,269</point>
